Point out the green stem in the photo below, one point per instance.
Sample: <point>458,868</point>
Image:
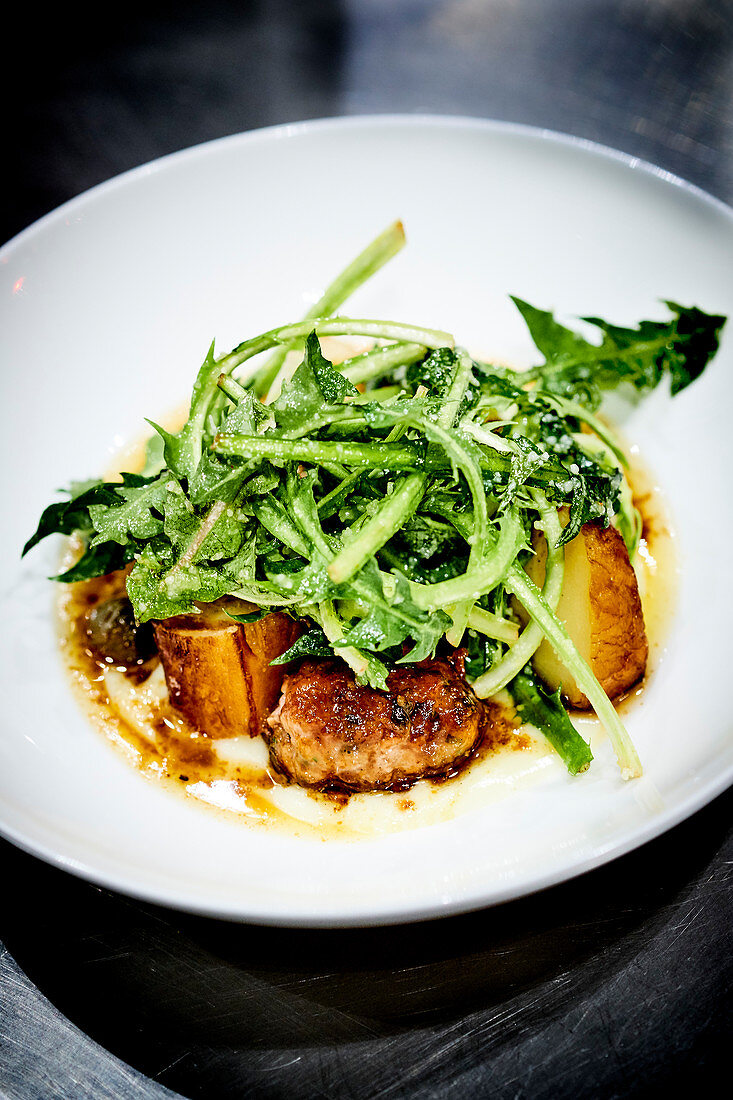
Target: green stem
<point>381,393</point>
<point>334,326</point>
<point>531,637</point>
<point>492,625</point>
<point>457,390</point>
<point>388,456</point>
<point>231,388</point>
<point>379,528</point>
<point>380,360</point>
<point>384,455</point>
<point>556,633</point>
<point>331,414</point>
<point>366,264</point>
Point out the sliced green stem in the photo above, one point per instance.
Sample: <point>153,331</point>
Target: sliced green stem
<point>366,264</point>
<point>379,528</point>
<point>388,456</point>
<point>457,389</point>
<point>529,641</point>
<point>231,388</point>
<point>556,633</point>
<point>380,360</point>
<point>493,626</point>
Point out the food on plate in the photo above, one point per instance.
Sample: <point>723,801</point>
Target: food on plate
<point>329,731</point>
<point>601,608</point>
<point>351,561</point>
<point>218,671</point>
<point>111,632</point>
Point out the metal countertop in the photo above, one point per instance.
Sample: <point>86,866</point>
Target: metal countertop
<point>616,984</point>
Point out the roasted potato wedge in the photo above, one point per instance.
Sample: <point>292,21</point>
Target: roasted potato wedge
<point>218,671</point>
<point>601,608</point>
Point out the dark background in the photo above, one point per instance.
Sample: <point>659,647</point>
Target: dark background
<point>92,91</point>
<point>617,984</point>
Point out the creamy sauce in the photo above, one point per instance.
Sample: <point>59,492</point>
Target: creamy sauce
<point>234,776</point>
<point>656,563</point>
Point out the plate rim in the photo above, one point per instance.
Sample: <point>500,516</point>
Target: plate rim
<point>409,914</point>
<point>283,130</point>
<point>473,900</point>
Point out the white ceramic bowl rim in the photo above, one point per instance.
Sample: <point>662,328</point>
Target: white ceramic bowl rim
<point>375,912</point>
<point>285,130</point>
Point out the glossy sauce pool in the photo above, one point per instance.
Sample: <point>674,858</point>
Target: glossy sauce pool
<point>234,776</point>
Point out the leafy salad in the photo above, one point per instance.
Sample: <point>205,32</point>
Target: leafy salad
<point>390,499</point>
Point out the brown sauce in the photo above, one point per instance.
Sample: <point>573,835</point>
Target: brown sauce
<point>173,752</point>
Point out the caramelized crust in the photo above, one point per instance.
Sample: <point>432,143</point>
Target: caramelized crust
<point>619,647</point>
<point>329,732</point>
<point>218,671</point>
<point>601,607</point>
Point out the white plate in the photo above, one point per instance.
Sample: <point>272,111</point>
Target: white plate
<point>108,306</point>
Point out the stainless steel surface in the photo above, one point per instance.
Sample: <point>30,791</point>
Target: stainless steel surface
<point>618,984</point>
<point>43,1055</point>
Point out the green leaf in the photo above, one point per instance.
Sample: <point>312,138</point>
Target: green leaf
<point>250,616</point>
<point>159,587</point>
<point>67,516</point>
<point>137,513</point>
<point>547,714</point>
<point>183,524</point>
<point>315,384</point>
<point>637,357</point>
<point>554,340</point>
<point>434,372</point>
<point>97,561</point>
<point>216,480</point>
<point>313,643</point>
<point>698,335</point>
<point>393,619</point>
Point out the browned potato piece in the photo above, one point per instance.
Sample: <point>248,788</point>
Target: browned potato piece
<point>218,671</point>
<point>601,608</point>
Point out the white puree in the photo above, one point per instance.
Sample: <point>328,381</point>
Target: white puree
<point>525,759</point>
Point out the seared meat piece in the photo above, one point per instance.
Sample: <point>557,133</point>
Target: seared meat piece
<point>328,732</point>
